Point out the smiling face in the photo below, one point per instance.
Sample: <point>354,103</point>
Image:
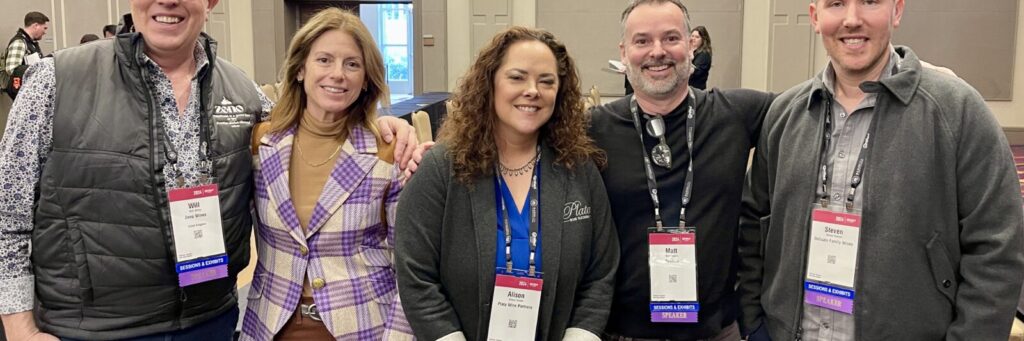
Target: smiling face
<point>856,33</point>
<point>525,89</point>
<point>656,50</point>
<point>170,27</point>
<point>333,75</point>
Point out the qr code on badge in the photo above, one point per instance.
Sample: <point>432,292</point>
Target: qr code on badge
<point>513,323</point>
<point>831,259</point>
<point>197,234</point>
<point>672,279</point>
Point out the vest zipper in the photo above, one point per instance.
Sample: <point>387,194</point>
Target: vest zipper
<point>155,115</point>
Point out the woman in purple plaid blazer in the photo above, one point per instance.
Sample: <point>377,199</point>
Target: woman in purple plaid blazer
<point>515,160</point>
<point>326,190</point>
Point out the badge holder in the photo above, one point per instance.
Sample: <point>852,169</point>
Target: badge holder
<point>515,307</point>
<point>673,264</point>
<point>198,235</point>
<point>832,258</point>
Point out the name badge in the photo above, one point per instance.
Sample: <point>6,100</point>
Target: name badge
<point>832,260</point>
<point>198,236</point>
<point>673,262</point>
<point>514,308</point>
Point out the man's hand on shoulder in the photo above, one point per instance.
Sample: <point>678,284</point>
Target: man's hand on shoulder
<point>417,157</point>
<point>406,143</point>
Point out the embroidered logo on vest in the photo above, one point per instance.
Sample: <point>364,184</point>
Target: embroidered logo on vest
<point>227,108</point>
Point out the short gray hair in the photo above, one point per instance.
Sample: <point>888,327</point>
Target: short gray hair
<point>633,4</point>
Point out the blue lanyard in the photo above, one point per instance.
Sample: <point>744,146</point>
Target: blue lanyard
<point>534,219</point>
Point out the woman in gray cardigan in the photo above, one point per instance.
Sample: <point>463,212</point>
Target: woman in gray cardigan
<point>514,159</point>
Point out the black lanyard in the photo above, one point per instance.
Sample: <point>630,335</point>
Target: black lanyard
<point>205,165</point>
<point>534,202</point>
<point>652,182</point>
<point>858,170</point>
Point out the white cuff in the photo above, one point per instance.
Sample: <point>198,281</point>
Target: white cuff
<point>17,294</point>
<point>579,334</point>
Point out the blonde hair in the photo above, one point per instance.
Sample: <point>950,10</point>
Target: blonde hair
<point>288,111</point>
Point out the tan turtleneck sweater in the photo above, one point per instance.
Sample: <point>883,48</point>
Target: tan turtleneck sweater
<point>314,153</point>
<point>315,143</point>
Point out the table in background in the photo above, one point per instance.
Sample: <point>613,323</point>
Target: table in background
<point>431,102</point>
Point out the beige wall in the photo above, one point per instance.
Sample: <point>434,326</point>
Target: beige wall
<point>754,65</point>
<point>1011,113</point>
<point>524,13</point>
<point>458,37</point>
<point>240,17</point>
<point>757,17</point>
<point>433,60</point>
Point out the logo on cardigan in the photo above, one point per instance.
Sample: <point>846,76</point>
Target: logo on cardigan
<point>575,211</point>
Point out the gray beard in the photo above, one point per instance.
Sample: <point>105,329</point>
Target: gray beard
<point>681,77</point>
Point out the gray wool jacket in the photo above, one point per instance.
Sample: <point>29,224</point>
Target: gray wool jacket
<point>940,244</point>
<point>445,246</point>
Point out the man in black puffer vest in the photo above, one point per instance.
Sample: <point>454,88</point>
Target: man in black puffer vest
<point>103,139</point>
<point>22,50</point>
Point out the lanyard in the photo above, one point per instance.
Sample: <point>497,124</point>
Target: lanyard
<point>858,170</point>
<point>652,182</point>
<point>534,221</point>
<point>205,165</point>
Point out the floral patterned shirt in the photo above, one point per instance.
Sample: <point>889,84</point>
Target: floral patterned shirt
<point>27,142</point>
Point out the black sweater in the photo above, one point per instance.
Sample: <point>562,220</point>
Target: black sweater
<point>728,123</point>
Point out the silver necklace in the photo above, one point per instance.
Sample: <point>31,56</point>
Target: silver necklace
<point>506,171</point>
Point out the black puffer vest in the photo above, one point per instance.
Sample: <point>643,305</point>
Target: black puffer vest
<point>103,251</point>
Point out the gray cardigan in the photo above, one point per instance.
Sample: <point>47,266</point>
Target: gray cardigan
<point>940,244</point>
<point>445,237</point>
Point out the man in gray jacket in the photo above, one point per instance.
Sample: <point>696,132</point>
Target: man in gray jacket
<point>882,203</point>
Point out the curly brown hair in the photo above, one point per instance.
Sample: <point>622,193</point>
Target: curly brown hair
<point>468,130</point>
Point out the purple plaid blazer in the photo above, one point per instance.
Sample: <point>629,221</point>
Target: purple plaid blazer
<point>349,244</point>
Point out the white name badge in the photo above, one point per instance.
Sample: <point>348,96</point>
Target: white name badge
<point>673,262</point>
<point>514,308</point>
<point>832,260</point>
<point>198,235</point>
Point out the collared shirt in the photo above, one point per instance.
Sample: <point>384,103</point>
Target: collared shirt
<point>28,140</point>
<point>15,54</point>
<point>848,132</point>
